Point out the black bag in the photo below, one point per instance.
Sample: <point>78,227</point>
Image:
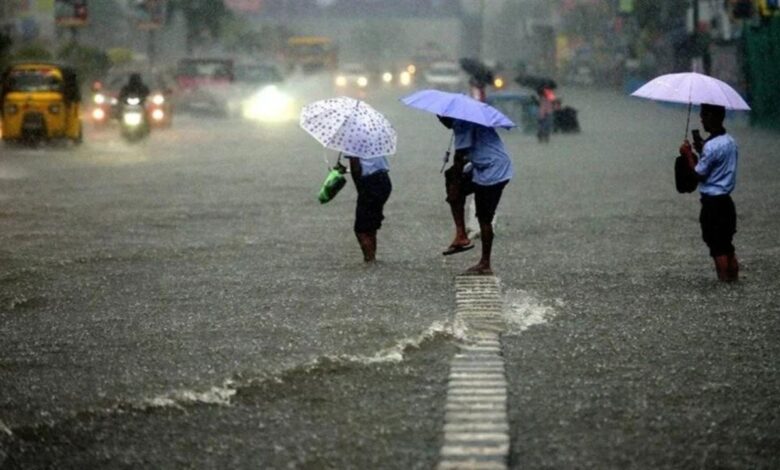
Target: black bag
<point>685,179</point>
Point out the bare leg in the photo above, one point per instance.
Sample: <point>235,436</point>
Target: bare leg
<point>367,242</point>
<point>733,267</point>
<point>458,211</point>
<point>722,267</point>
<point>486,235</point>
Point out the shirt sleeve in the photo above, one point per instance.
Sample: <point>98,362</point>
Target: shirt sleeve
<point>704,166</point>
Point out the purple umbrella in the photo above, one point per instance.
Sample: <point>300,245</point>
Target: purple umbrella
<point>458,106</point>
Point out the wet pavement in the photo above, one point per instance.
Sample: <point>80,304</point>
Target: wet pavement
<point>187,303</point>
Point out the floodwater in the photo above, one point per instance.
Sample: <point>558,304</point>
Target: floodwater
<point>186,302</point>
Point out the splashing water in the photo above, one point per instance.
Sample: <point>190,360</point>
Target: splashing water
<point>522,310</point>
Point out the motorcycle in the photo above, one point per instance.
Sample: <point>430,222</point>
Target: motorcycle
<point>134,122</point>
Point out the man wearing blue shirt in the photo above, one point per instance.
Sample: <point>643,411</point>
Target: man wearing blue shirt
<point>716,169</point>
<point>491,169</point>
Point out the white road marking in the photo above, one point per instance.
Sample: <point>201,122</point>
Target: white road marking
<point>476,427</point>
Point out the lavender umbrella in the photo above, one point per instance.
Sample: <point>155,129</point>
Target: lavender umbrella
<point>458,106</point>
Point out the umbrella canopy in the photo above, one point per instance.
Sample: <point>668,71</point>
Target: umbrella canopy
<point>692,88</point>
<point>458,106</point>
<point>349,126</point>
<point>478,71</point>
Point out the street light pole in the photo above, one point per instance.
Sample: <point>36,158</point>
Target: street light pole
<point>481,29</point>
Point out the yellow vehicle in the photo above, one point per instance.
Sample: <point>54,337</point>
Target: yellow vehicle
<point>311,53</point>
<point>40,101</point>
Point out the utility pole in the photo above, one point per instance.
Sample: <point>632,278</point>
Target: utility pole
<point>480,30</point>
<point>697,61</point>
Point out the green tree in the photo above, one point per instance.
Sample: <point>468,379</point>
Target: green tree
<point>202,18</point>
<point>90,62</point>
<point>34,51</point>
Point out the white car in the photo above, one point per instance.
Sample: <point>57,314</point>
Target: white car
<point>446,76</point>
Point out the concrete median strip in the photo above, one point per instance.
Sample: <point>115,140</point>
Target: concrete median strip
<point>476,427</point>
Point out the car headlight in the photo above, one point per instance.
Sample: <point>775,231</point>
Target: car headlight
<point>498,82</point>
<point>387,77</point>
<point>158,114</point>
<point>341,80</point>
<point>362,82</point>
<point>132,119</point>
<point>98,114</point>
<point>158,99</point>
<point>411,69</point>
<point>269,104</point>
<point>99,98</point>
<point>405,78</point>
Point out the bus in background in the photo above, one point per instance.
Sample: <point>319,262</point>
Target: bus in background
<point>311,54</point>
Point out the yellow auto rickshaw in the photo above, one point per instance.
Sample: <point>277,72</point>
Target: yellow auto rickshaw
<point>40,101</point>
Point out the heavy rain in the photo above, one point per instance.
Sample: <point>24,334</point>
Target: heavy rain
<point>200,265</point>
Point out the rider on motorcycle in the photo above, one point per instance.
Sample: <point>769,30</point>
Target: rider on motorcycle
<point>134,87</point>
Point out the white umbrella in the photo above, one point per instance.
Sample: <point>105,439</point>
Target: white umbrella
<point>349,126</point>
<point>692,88</point>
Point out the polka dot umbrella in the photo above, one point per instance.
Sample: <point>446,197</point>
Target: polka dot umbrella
<point>349,126</point>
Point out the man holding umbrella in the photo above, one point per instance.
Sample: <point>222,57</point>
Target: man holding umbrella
<point>373,186</point>
<point>481,164</point>
<point>491,169</point>
<point>366,138</point>
<point>716,169</point>
<point>716,166</point>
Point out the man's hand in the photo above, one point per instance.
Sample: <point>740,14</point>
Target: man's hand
<point>685,149</point>
<point>687,152</point>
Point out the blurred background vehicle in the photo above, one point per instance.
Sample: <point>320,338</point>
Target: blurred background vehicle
<point>445,76</point>
<point>134,122</point>
<point>310,54</point>
<point>351,77</point>
<point>40,102</point>
<point>259,93</point>
<point>204,84</point>
<point>400,74</point>
<point>104,106</point>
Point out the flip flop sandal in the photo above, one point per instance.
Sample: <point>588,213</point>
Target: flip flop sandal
<point>453,249</point>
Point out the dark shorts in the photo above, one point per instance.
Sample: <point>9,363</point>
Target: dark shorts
<point>718,219</point>
<point>373,191</point>
<point>486,198</point>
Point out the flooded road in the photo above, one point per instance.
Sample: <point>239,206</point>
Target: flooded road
<point>187,302</point>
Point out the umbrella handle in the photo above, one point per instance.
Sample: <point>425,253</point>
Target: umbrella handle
<point>688,121</point>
